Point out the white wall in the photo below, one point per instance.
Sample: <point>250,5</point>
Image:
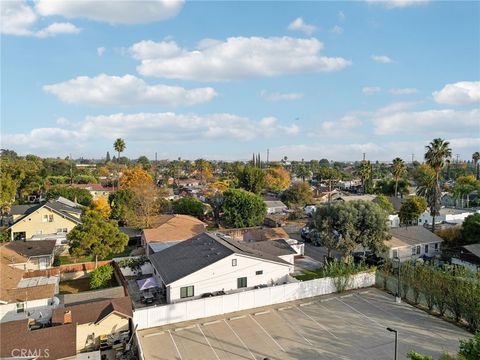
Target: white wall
<point>201,308</point>
<point>43,307</point>
<point>465,264</point>
<point>393,221</point>
<point>221,275</point>
<point>146,268</point>
<point>405,252</point>
<point>450,218</point>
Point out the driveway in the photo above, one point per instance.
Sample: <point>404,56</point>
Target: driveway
<point>319,252</point>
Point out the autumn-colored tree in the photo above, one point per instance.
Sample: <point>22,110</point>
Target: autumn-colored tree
<point>101,206</point>
<point>203,169</point>
<point>134,177</point>
<point>277,179</point>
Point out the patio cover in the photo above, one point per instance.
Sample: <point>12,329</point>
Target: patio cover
<point>147,283</point>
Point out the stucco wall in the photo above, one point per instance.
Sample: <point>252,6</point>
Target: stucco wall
<point>112,324</point>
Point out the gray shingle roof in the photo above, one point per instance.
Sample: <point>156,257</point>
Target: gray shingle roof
<point>60,206</point>
<point>273,247</point>
<point>415,235</point>
<point>200,251</point>
<point>473,248</point>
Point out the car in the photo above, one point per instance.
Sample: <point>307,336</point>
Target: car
<point>304,233</point>
<point>207,295</point>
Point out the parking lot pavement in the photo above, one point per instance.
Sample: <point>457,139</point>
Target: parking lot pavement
<point>347,326</point>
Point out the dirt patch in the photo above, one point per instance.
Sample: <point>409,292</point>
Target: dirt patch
<point>74,286</point>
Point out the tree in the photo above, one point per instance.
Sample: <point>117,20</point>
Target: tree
<point>365,172</point>
<point>133,177</point>
<point>425,178</point>
<point>464,186</point>
<point>298,195</point>
<point>101,206</point>
<point>121,203</point>
<point>96,237</point>
<point>242,208</point>
<point>346,225</point>
<point>101,277</point>
<point>251,179</point>
<point>384,203</point>
<point>277,178</point>
<point>471,229</point>
<point>119,146</point>
<point>387,187</point>
<point>435,156</point>
<point>81,196</point>
<point>189,206</point>
<point>204,169</point>
<point>302,171</point>
<point>398,171</point>
<point>107,158</point>
<point>8,189</point>
<point>146,203</point>
<point>144,162</point>
<point>476,165</point>
<point>411,209</point>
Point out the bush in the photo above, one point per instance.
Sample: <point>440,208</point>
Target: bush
<point>189,206</point>
<point>470,349</point>
<point>100,277</point>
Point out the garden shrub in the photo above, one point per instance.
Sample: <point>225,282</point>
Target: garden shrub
<point>100,277</point>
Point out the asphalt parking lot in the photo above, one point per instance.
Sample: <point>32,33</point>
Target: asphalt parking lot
<point>351,326</point>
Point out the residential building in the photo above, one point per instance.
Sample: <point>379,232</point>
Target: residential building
<point>168,230</point>
<point>29,255</point>
<point>413,242</point>
<point>274,234</point>
<point>52,217</point>
<point>275,207</point>
<point>468,256</point>
<point>96,190</point>
<point>447,215</point>
<point>210,262</point>
<point>98,324</point>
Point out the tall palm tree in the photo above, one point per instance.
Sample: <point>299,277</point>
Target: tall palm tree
<point>398,170</point>
<point>119,146</point>
<point>476,159</point>
<point>438,151</point>
<point>365,172</point>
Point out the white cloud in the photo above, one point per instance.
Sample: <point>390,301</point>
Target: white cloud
<point>336,30</point>
<point>277,96</point>
<point>166,127</point>
<point>347,126</point>
<point>403,91</point>
<point>370,90</point>
<point>56,29</point>
<point>341,16</point>
<point>234,58</point>
<point>300,25</point>
<point>398,3</point>
<point>460,93</point>
<point>101,50</point>
<point>382,59</point>
<point>125,90</point>
<point>114,12</point>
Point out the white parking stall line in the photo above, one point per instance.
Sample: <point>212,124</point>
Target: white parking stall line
<point>294,330</point>
<point>316,322</point>
<point>365,316</point>
<point>208,342</point>
<point>175,344</point>
<point>240,339</point>
<point>266,332</point>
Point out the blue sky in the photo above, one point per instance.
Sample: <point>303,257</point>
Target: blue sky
<point>221,80</point>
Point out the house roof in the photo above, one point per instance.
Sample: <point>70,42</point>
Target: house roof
<point>29,249</point>
<point>452,211</point>
<point>23,209</point>
<point>56,342</point>
<point>473,248</point>
<point>265,234</point>
<point>174,227</point>
<point>273,247</point>
<point>93,187</point>
<point>411,236</point>
<point>395,201</point>
<point>200,251</point>
<point>274,203</point>
<point>93,312</point>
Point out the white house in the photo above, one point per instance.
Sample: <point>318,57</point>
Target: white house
<point>275,207</point>
<point>393,221</point>
<point>412,242</point>
<point>447,215</point>
<point>208,263</point>
<point>468,257</point>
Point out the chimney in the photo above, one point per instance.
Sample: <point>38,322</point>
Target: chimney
<point>67,317</point>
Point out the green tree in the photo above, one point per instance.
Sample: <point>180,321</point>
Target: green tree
<point>471,348</point>
<point>476,165</point>
<point>251,179</point>
<point>302,171</point>
<point>189,206</point>
<point>464,186</point>
<point>8,189</point>
<point>122,202</point>
<point>81,196</point>
<point>298,195</point>
<point>144,162</point>
<point>101,277</point>
<point>242,208</point>
<point>119,146</point>
<point>96,237</point>
<point>365,171</point>
<point>438,151</point>
<point>277,178</point>
<point>398,171</point>
<point>346,225</point>
<point>411,209</point>
<point>384,203</point>
<point>471,229</point>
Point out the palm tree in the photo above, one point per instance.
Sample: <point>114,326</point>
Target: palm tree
<point>398,170</point>
<point>438,151</point>
<point>476,159</point>
<point>302,171</point>
<point>119,146</point>
<point>365,171</point>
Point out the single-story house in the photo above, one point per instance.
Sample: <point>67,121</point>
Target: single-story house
<point>275,207</point>
<point>168,230</point>
<point>30,255</point>
<point>447,215</point>
<point>393,220</point>
<point>274,234</point>
<point>52,217</point>
<point>412,242</point>
<point>99,323</point>
<point>468,256</point>
<point>96,190</point>
<point>209,263</point>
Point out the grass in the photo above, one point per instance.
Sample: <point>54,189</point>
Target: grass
<point>66,260</point>
<point>333,269</point>
<point>74,286</point>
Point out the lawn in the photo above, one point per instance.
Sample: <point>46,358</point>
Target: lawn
<point>309,275</point>
<point>74,286</point>
<point>65,260</point>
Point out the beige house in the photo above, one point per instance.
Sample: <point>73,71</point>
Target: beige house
<point>96,190</point>
<point>29,255</point>
<point>100,324</point>
<point>53,217</point>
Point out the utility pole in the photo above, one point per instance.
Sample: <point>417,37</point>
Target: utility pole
<point>413,157</point>
<point>458,155</point>
<point>268,156</point>
<point>363,156</point>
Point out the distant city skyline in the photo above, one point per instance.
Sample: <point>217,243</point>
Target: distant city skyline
<point>221,80</point>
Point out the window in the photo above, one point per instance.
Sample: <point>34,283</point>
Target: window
<point>418,249</point>
<point>414,251</point>
<point>259,272</point>
<point>426,248</point>
<point>395,254</point>
<point>234,262</point>
<point>186,292</point>
<point>65,230</point>
<point>20,308</point>
<point>45,218</point>
<point>50,218</point>
<point>242,282</point>
<point>436,247</point>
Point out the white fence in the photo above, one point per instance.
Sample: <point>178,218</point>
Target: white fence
<point>146,268</point>
<point>217,305</point>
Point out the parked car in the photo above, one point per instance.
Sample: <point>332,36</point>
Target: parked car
<point>304,233</point>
